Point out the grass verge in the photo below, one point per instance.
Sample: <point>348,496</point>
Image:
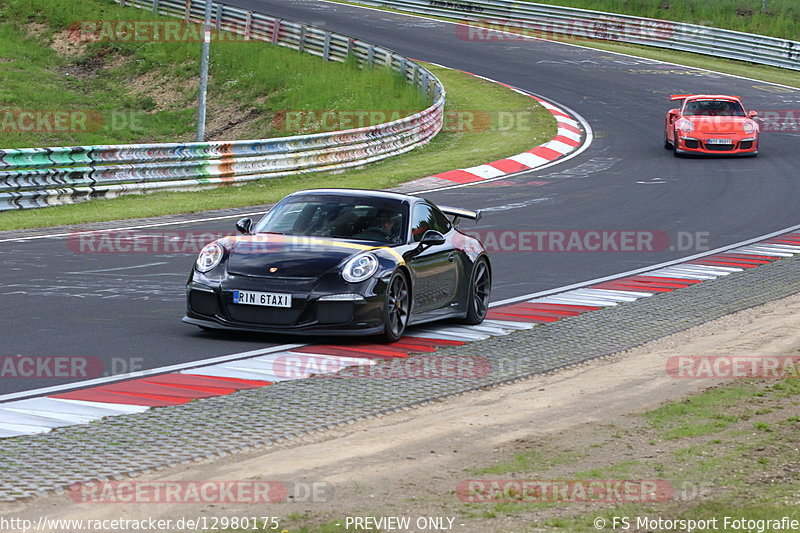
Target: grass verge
<point>778,18</point>
<point>727,452</point>
<point>121,89</point>
<point>473,135</point>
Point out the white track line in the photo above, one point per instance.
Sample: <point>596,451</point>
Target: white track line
<point>645,269</point>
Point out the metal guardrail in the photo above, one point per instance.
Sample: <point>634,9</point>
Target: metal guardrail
<point>540,20</point>
<point>39,177</point>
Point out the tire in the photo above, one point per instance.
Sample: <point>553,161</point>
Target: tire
<point>480,289</point>
<point>675,146</point>
<point>397,308</point>
<point>667,144</point>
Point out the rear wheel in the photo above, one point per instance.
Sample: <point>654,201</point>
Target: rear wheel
<point>397,307</point>
<point>480,289</point>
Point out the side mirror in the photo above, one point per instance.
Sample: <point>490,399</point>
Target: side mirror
<point>752,114</point>
<point>432,238</point>
<point>672,113</point>
<point>244,225</point>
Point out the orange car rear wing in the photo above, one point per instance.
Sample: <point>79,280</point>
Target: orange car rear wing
<point>683,96</point>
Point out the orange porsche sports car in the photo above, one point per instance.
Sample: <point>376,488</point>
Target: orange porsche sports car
<point>711,125</point>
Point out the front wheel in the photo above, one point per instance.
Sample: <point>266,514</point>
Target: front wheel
<point>396,309</point>
<point>480,289</point>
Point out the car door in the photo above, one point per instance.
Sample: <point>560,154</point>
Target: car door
<point>437,268</point>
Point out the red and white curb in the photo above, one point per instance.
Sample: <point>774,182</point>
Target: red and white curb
<point>42,414</point>
<point>573,134</point>
<point>569,137</point>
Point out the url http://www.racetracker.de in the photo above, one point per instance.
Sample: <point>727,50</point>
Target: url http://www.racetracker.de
<point>200,523</point>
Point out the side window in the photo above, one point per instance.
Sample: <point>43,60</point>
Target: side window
<point>425,218</point>
<point>442,225</point>
<point>421,221</point>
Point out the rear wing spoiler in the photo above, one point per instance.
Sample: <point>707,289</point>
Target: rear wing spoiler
<point>683,96</point>
<point>458,213</point>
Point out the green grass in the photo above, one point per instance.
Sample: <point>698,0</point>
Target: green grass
<point>698,415</point>
<point>454,148</point>
<point>780,19</point>
<point>530,461</point>
<point>247,78</point>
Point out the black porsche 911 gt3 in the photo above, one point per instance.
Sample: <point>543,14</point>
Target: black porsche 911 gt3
<point>342,261</point>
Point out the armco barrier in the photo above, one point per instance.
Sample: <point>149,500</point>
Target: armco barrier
<point>39,177</point>
<point>540,20</point>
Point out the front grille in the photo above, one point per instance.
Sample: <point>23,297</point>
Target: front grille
<point>691,143</point>
<point>204,303</point>
<point>719,147</point>
<point>745,145</point>
<point>278,280</point>
<point>255,314</point>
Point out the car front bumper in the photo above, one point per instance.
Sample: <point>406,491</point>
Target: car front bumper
<point>211,306</point>
<point>695,145</point>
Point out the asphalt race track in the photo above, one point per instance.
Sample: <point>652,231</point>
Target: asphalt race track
<point>61,299</point>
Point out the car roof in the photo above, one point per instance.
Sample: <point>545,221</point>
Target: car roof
<point>358,193</point>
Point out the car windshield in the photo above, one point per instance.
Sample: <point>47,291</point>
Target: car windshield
<point>341,217</point>
<point>713,108</point>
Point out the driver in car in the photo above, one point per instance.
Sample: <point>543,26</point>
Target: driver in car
<point>383,227</point>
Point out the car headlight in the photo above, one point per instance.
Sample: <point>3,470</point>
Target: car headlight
<point>749,127</point>
<point>685,125</point>
<point>359,268</point>
<point>209,257</point>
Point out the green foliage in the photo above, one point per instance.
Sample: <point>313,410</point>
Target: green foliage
<point>97,75</point>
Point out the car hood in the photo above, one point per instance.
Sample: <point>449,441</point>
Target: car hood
<point>729,125</point>
<point>282,256</point>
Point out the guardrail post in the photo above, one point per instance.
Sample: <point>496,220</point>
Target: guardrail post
<point>187,11</point>
<point>302,44</point>
<point>155,6</point>
<point>389,57</point>
<point>326,47</point>
<point>248,25</point>
<point>370,56</point>
<point>220,14</point>
<point>201,102</point>
<point>403,67</point>
<point>276,30</point>
<point>350,43</point>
